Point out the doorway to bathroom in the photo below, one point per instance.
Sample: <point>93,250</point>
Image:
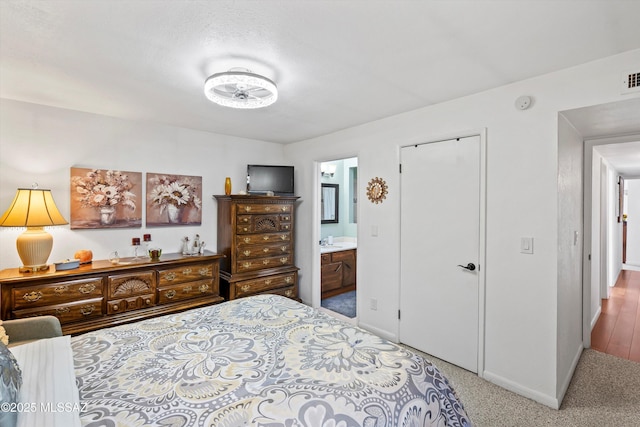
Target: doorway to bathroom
<point>338,236</point>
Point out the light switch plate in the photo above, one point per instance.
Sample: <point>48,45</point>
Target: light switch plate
<point>526,245</point>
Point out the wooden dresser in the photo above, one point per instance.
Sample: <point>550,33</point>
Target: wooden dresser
<point>101,294</point>
<point>256,234</point>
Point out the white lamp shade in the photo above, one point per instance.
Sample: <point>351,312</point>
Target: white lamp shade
<point>33,208</point>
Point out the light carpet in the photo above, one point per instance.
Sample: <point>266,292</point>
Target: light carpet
<point>604,391</point>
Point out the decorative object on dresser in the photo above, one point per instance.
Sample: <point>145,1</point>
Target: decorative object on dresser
<point>106,293</point>
<point>105,198</point>
<point>338,272</point>
<point>35,209</point>
<point>256,234</point>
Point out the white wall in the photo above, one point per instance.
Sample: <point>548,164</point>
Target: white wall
<point>522,293</point>
<point>570,191</point>
<point>40,144</point>
<point>633,222</point>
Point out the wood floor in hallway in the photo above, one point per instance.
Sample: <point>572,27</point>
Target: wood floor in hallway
<point>617,331</point>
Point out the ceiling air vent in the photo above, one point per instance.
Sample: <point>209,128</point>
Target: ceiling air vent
<point>630,82</point>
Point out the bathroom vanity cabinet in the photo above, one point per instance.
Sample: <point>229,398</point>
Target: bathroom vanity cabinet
<point>338,272</point>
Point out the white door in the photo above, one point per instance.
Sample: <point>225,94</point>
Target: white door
<point>440,249</point>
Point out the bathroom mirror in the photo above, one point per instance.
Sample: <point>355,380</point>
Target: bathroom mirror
<point>329,204</point>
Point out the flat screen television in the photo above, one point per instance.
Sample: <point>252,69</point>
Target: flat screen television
<point>262,179</point>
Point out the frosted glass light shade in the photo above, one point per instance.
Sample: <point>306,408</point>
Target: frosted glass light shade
<point>33,208</point>
<point>240,89</point>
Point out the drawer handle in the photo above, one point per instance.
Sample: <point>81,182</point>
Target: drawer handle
<point>187,289</point>
<point>86,310</point>
<point>204,288</point>
<point>245,219</point>
<point>246,253</point>
<point>204,271</point>
<point>288,279</point>
<point>284,208</point>
<point>265,250</point>
<point>59,290</point>
<point>265,237</point>
<point>87,289</point>
<point>61,310</point>
<point>267,282</point>
<point>170,294</point>
<point>265,262</point>
<point>115,307</point>
<point>147,301</point>
<point>32,296</point>
<point>246,264</point>
<point>245,288</point>
<point>284,260</point>
<point>267,208</point>
<point>283,237</point>
<point>170,276</point>
<point>283,248</point>
<point>247,208</point>
<point>247,239</point>
<point>187,271</point>
<point>245,229</point>
<point>288,292</point>
<point>285,227</point>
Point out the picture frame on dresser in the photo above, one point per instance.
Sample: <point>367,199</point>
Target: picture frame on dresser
<point>256,234</point>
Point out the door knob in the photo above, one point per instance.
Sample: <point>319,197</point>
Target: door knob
<point>471,266</point>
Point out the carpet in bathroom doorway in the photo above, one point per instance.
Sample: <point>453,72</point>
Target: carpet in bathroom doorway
<point>344,304</point>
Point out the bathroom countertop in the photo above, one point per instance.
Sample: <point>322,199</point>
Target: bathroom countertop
<point>338,246</point>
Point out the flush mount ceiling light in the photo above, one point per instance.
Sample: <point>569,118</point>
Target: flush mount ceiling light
<point>240,88</point>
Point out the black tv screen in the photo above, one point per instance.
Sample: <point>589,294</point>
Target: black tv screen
<point>264,178</point>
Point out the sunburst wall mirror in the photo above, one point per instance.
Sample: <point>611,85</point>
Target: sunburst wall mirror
<point>377,190</point>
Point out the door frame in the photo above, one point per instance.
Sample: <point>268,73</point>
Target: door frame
<point>482,269</point>
<point>316,270</point>
<point>593,252</point>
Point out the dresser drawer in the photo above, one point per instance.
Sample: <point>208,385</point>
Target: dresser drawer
<point>188,273</point>
<point>56,293</point>
<point>255,239</point>
<point>266,284</point>
<point>261,263</point>
<point>66,313</point>
<point>129,304</point>
<point>257,208</point>
<point>248,252</point>
<point>186,291</point>
<point>248,224</point>
<point>289,292</point>
<point>131,284</point>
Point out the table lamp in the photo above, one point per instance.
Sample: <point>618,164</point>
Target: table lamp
<point>33,208</point>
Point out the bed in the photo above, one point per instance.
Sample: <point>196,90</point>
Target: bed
<point>258,361</point>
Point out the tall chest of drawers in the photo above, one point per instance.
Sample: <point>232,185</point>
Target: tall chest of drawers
<point>256,235</point>
<point>100,294</point>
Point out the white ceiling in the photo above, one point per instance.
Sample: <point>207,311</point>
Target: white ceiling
<point>337,64</point>
<point>607,120</point>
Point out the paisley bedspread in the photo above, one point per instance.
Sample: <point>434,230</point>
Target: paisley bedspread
<point>259,361</point>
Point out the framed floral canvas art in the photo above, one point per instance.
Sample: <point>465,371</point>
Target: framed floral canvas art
<point>105,198</point>
<point>173,200</point>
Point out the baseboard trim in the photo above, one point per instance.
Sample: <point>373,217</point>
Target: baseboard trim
<point>522,391</point>
<point>596,317</point>
<point>379,332</point>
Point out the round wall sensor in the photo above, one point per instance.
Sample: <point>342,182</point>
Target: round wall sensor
<point>523,102</point>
